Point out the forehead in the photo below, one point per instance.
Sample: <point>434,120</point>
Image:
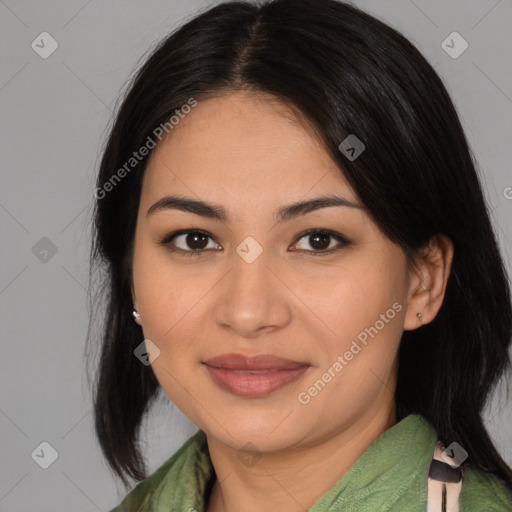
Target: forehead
<point>243,145</point>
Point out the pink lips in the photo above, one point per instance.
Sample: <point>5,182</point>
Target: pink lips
<point>253,376</point>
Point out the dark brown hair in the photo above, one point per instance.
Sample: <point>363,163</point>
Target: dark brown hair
<point>347,72</point>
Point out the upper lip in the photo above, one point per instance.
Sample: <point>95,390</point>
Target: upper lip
<point>259,362</point>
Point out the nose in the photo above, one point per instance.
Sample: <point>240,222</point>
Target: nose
<point>251,300</point>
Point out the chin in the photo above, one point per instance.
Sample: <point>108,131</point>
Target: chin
<point>266,435</point>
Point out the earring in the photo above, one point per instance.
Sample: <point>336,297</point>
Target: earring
<point>420,316</point>
<point>136,316</point>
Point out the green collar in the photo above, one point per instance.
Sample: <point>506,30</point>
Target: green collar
<point>390,473</point>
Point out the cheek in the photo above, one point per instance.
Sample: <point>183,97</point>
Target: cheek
<point>361,307</point>
<point>167,294</point>
<point>364,312</point>
<point>352,295</point>
<point>173,316</point>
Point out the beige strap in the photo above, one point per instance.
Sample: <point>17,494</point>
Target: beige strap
<point>444,484</point>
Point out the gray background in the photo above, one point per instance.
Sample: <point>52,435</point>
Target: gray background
<point>54,116</point>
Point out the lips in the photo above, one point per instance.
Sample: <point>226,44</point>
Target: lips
<point>253,376</point>
<point>256,363</point>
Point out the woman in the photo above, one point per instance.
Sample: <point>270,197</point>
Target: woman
<point>288,207</point>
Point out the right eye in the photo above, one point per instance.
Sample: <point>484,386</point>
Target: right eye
<point>193,242</point>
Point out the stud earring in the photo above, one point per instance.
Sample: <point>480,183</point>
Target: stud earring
<point>420,316</point>
<point>136,316</point>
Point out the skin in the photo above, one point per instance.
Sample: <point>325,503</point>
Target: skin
<point>250,155</point>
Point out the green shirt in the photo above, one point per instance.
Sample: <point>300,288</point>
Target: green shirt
<point>390,475</point>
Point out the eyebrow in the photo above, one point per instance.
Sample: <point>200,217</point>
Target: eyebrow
<point>214,211</point>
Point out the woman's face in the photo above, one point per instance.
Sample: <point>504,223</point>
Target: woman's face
<point>255,283</point>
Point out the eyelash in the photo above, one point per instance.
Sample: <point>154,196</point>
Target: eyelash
<point>165,241</point>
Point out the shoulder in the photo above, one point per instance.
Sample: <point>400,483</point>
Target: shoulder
<point>484,491</point>
<point>140,497</point>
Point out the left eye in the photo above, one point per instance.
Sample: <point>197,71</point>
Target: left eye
<point>321,242</point>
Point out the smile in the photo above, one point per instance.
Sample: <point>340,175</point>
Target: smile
<point>254,383</point>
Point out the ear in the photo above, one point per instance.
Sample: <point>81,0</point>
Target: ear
<point>428,277</point>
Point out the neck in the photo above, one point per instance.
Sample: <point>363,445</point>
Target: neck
<point>292,480</point>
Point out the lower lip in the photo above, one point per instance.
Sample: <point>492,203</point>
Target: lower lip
<point>254,384</point>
